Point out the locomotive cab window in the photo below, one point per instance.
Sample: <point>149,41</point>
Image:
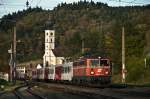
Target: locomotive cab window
<point>94,63</point>
<point>104,63</point>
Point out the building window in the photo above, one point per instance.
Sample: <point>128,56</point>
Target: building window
<point>51,34</point>
<point>47,33</point>
<point>51,40</point>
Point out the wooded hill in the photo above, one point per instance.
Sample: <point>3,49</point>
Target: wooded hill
<point>98,25</point>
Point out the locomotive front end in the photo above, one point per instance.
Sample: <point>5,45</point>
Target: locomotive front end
<point>99,70</point>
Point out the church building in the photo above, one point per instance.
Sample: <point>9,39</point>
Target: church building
<point>50,57</point>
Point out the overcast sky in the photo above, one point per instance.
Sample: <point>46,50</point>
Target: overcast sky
<point>9,6</point>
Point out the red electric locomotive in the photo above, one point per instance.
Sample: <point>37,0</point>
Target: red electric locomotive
<point>92,70</point>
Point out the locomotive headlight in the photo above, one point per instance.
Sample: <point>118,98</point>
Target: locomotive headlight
<point>106,72</point>
<point>99,70</point>
<point>92,72</point>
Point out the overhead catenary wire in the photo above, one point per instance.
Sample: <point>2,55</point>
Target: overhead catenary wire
<point>31,1</point>
<point>129,2</point>
<point>38,2</point>
<point>133,1</point>
<point>4,6</point>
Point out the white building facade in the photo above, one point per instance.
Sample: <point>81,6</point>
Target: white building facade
<point>49,57</point>
<point>21,71</point>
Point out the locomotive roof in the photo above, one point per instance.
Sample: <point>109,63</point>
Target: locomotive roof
<point>89,57</point>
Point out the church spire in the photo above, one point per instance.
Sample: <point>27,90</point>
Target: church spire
<point>49,23</point>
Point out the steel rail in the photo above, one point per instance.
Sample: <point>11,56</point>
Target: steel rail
<point>35,94</point>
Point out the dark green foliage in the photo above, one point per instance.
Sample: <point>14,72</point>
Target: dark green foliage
<point>147,62</point>
<point>3,82</point>
<point>135,69</point>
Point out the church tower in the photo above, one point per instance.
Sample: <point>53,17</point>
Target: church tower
<point>49,39</point>
<point>49,57</point>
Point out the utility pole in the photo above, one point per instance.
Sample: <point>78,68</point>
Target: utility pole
<point>14,56</point>
<point>82,46</point>
<point>102,37</point>
<point>123,57</point>
<point>145,62</point>
<point>10,63</point>
<point>101,26</point>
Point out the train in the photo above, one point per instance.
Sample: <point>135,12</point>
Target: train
<point>89,70</point>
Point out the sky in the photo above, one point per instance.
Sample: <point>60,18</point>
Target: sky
<point>9,6</point>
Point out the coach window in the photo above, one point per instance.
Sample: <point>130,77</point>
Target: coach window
<point>68,69</point>
<point>52,71</point>
<point>65,69</point>
<point>62,70</point>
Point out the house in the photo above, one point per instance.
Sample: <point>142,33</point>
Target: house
<point>25,69</point>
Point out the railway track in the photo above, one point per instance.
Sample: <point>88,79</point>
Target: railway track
<point>115,91</point>
<point>76,92</point>
<point>17,92</point>
<point>88,85</point>
<point>62,91</point>
<point>2,93</point>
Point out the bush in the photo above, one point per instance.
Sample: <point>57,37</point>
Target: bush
<point>3,82</point>
<point>135,69</point>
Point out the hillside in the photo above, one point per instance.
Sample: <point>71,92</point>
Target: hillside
<point>96,24</point>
